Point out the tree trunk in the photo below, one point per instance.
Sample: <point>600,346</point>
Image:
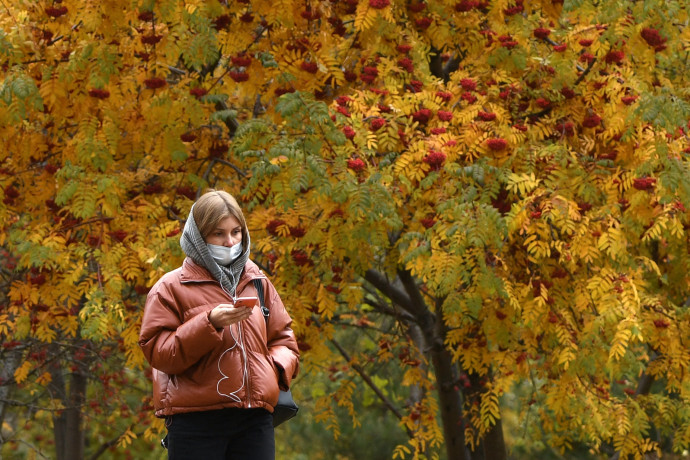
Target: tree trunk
<point>434,331</point>
<point>11,362</point>
<point>494,444</point>
<point>68,429</point>
<point>416,391</point>
<point>450,404</point>
<point>492,447</point>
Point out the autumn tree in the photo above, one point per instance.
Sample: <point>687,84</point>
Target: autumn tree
<point>492,193</point>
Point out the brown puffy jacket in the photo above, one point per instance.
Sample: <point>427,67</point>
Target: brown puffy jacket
<point>197,367</point>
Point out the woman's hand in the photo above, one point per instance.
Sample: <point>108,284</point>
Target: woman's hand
<point>226,314</point>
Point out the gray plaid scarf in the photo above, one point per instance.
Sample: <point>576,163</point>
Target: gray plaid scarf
<point>195,248</point>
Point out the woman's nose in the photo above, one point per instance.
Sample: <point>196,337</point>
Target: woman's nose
<point>230,241</point>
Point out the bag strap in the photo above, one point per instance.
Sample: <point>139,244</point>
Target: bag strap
<point>260,291</point>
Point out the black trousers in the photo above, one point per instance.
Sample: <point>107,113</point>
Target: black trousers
<point>226,434</point>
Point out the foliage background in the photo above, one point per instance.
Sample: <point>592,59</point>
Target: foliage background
<point>477,211</point>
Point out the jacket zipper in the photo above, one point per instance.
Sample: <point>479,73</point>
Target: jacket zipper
<point>246,358</point>
<point>249,393</point>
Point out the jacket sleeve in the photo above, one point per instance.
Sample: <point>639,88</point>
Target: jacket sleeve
<point>282,344</point>
<point>170,345</point>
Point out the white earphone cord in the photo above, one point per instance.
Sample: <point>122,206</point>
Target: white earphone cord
<point>238,342</point>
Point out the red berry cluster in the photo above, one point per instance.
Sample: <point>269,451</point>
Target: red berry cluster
<point>444,115</point>
<point>445,96</point>
<point>497,144</point>
<point>349,132</point>
<point>567,92</point>
<point>520,127</point>
<point>99,93</point>
<point>653,38</point>
<point>468,84</point>
<point>241,60</point>
<point>188,137</point>
<point>407,64</point>
<point>416,7</point>
<point>343,110</point>
<point>154,83</point>
<point>377,123</point>
<point>297,232</point>
<point>627,100</point>
<point>273,225</point>
<point>423,23</point>
<point>218,149</point>
<point>507,41</point>
<point>280,91</point>
<point>591,121</point>
<point>379,4</point>
<point>186,191</point>
<point>221,22</point>
<point>468,97</point>
<point>466,5</point>
<point>543,103</point>
<point>427,222</point>
<point>513,10</point>
<point>415,86</point>
<point>56,11</point>
<point>644,183</point>
<point>308,66</point>
<point>587,57</point>
<point>369,74</point>
<point>300,257</point>
<point>310,15</point>
<point>422,115</point>
<point>404,48</point>
<point>486,116</point>
<point>343,100</point>
<point>435,159</point>
<point>150,39</point>
<point>356,164</point>
<point>541,32</point>
<point>614,57</point>
<point>567,128</point>
<point>239,75</point>
<point>198,92</point>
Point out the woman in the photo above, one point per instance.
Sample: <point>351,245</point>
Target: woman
<point>217,367</point>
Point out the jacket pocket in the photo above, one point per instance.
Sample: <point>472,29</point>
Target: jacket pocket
<point>231,379</point>
<point>161,381</point>
<point>264,378</point>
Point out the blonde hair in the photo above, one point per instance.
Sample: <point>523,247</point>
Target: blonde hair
<point>214,206</point>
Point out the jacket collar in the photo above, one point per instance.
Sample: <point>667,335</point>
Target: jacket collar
<point>191,272</point>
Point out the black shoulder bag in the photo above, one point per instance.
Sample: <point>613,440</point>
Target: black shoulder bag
<point>286,407</point>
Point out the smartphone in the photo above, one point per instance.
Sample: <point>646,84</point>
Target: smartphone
<point>248,302</point>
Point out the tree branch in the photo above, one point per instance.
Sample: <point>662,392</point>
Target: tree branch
<point>425,318</point>
<point>360,370</point>
<point>398,296</point>
<point>108,444</point>
<point>227,163</point>
<point>379,305</point>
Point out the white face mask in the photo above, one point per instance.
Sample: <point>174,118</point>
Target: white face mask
<point>224,255</point>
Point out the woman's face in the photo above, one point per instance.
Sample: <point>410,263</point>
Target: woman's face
<point>228,233</point>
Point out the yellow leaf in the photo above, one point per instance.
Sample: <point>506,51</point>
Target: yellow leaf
<point>22,372</point>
